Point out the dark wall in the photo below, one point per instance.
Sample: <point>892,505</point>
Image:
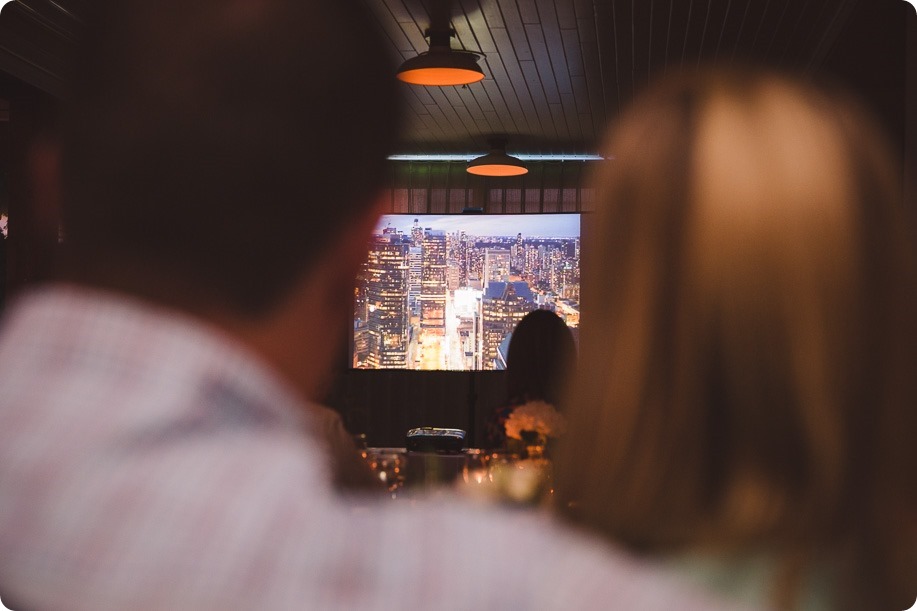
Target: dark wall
<point>867,56</point>
<point>37,41</point>
<point>384,404</point>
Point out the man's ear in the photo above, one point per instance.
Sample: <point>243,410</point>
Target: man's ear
<point>367,221</point>
<point>353,244</point>
<point>316,312</point>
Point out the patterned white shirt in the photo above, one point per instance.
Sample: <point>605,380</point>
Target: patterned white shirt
<point>149,462</point>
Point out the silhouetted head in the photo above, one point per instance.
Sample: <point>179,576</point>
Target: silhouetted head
<point>540,358</point>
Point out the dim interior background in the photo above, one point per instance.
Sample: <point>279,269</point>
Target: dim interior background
<point>384,404</point>
<point>557,72</point>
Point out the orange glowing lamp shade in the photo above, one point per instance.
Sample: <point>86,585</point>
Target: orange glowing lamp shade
<point>441,67</point>
<point>496,163</point>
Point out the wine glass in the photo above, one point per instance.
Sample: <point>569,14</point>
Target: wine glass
<point>389,466</point>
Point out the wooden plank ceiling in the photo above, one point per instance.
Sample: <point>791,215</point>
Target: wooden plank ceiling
<point>558,70</point>
<point>37,39</point>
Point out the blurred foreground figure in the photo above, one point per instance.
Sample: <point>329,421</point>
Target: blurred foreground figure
<point>744,408</point>
<point>159,445</point>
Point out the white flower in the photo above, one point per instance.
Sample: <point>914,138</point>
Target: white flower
<point>536,416</point>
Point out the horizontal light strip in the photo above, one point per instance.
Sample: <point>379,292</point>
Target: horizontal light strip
<point>469,157</point>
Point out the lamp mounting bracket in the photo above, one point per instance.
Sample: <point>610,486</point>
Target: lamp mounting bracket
<point>439,37</point>
<point>497,142</point>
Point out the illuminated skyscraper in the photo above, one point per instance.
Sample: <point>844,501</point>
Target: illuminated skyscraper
<point>517,260</point>
<point>386,302</point>
<point>463,259</point>
<point>453,274</point>
<point>360,337</point>
<point>361,345</point>
<point>503,353</point>
<point>433,283</point>
<point>496,265</point>
<point>416,234</point>
<point>475,264</point>
<point>570,276</point>
<point>555,270</point>
<point>504,304</point>
<point>415,270</point>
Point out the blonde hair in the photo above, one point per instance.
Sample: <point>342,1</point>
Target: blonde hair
<point>749,296</point>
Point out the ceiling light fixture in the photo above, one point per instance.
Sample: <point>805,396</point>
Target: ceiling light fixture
<point>497,162</point>
<point>521,156</point>
<point>441,65</point>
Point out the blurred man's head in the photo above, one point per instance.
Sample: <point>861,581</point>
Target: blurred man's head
<point>223,145</point>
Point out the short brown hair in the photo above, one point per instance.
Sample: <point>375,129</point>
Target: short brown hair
<point>744,366</point>
<point>225,141</point>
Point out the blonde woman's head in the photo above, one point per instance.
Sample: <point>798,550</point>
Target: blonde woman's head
<point>748,290</point>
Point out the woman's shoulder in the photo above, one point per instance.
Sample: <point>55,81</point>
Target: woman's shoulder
<point>749,578</point>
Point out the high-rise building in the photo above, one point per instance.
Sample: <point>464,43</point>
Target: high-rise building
<point>416,234</point>
<point>475,256</point>
<point>415,271</point>
<point>359,295</point>
<point>503,353</point>
<point>570,277</point>
<point>463,259</point>
<point>555,271</point>
<point>433,283</point>
<point>531,267</point>
<point>453,274</point>
<point>361,345</point>
<point>496,265</point>
<point>466,306</point>
<point>502,307</point>
<point>386,302</point>
<point>517,256</point>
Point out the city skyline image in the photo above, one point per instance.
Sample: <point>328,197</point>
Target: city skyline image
<point>446,291</point>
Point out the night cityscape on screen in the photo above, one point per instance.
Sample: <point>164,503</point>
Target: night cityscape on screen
<point>445,292</point>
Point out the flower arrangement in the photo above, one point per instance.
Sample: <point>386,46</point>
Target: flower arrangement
<point>536,417</point>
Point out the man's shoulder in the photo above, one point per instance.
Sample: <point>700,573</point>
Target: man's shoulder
<point>520,559</point>
<point>103,484</point>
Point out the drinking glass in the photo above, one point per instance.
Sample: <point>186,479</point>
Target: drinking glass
<point>389,466</point>
<point>476,470</point>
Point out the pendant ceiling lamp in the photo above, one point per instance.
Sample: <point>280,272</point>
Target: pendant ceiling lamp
<point>441,65</point>
<point>497,162</point>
